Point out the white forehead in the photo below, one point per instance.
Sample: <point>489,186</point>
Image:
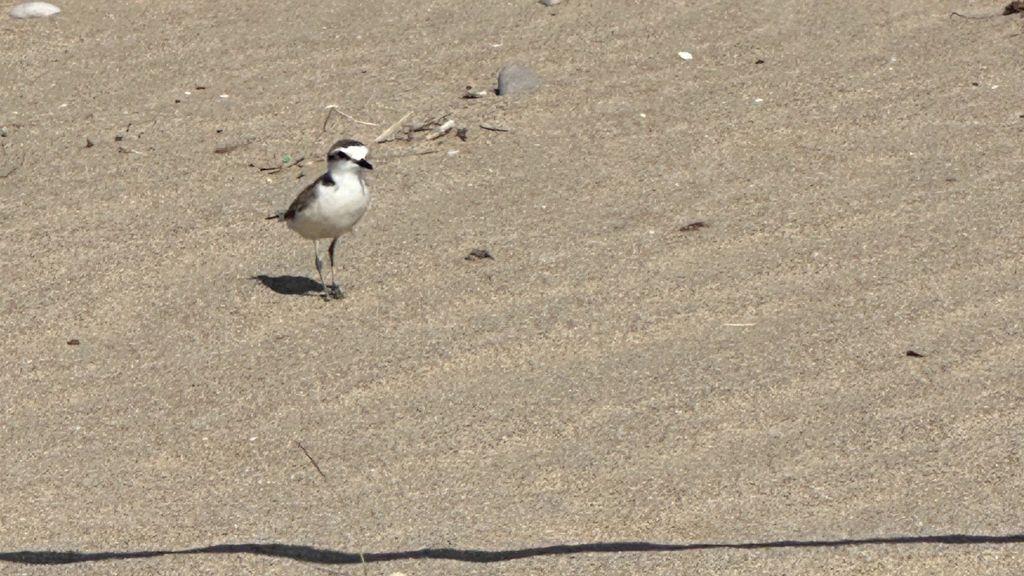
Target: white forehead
<point>354,152</point>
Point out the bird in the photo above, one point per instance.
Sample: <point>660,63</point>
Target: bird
<point>331,205</point>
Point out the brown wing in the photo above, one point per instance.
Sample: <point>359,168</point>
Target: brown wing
<point>303,200</point>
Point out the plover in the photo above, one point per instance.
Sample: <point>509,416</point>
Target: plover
<point>331,206</point>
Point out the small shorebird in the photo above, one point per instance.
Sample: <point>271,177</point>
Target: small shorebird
<point>331,206</point>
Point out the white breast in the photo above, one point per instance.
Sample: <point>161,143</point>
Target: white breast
<point>335,210</point>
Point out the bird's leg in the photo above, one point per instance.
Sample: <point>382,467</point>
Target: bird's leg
<point>335,290</point>
<point>319,266</point>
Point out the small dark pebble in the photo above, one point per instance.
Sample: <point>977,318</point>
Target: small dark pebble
<point>176,101</point>
<point>220,130</point>
<point>913,354</point>
<point>693,226</point>
<point>119,137</point>
<point>461,133</point>
<point>975,84</point>
<point>88,142</point>
<point>759,61</point>
<point>74,342</point>
<point>479,254</point>
<point>200,87</point>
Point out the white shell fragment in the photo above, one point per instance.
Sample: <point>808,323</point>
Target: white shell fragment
<point>686,56</point>
<point>33,10</point>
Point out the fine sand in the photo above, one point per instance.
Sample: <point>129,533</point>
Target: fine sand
<point>606,382</point>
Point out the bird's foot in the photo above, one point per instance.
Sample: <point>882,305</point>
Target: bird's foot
<point>333,292</point>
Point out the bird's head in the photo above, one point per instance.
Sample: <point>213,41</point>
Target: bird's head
<point>348,155</point>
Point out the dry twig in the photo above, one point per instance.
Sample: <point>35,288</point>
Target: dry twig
<point>333,109</point>
<point>391,129</point>
<point>276,169</point>
<point>311,460</point>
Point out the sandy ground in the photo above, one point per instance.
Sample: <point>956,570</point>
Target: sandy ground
<point>606,379</point>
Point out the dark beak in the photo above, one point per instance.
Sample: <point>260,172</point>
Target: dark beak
<point>365,164</point>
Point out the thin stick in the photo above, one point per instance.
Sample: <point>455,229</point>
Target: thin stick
<point>970,17</point>
<point>494,128</point>
<point>331,109</point>
<point>407,154</point>
<point>276,169</point>
<point>327,118</point>
<point>311,460</point>
<point>391,129</point>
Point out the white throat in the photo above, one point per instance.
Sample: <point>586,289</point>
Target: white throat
<point>342,168</point>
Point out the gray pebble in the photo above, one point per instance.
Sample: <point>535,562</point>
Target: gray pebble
<point>516,79</point>
<point>550,2</point>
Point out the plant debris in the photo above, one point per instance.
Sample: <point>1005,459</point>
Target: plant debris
<point>913,354</point>
<point>479,254</point>
<point>311,460</point>
<point>693,226</point>
<point>284,166</point>
<point>404,130</point>
<point>1014,7</point>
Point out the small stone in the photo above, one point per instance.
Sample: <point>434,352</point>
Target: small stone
<point>551,2</point>
<point>517,79</point>
<point>33,10</point>
<point>74,342</point>
<point>686,56</point>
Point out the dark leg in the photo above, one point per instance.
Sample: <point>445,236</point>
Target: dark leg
<point>335,290</point>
